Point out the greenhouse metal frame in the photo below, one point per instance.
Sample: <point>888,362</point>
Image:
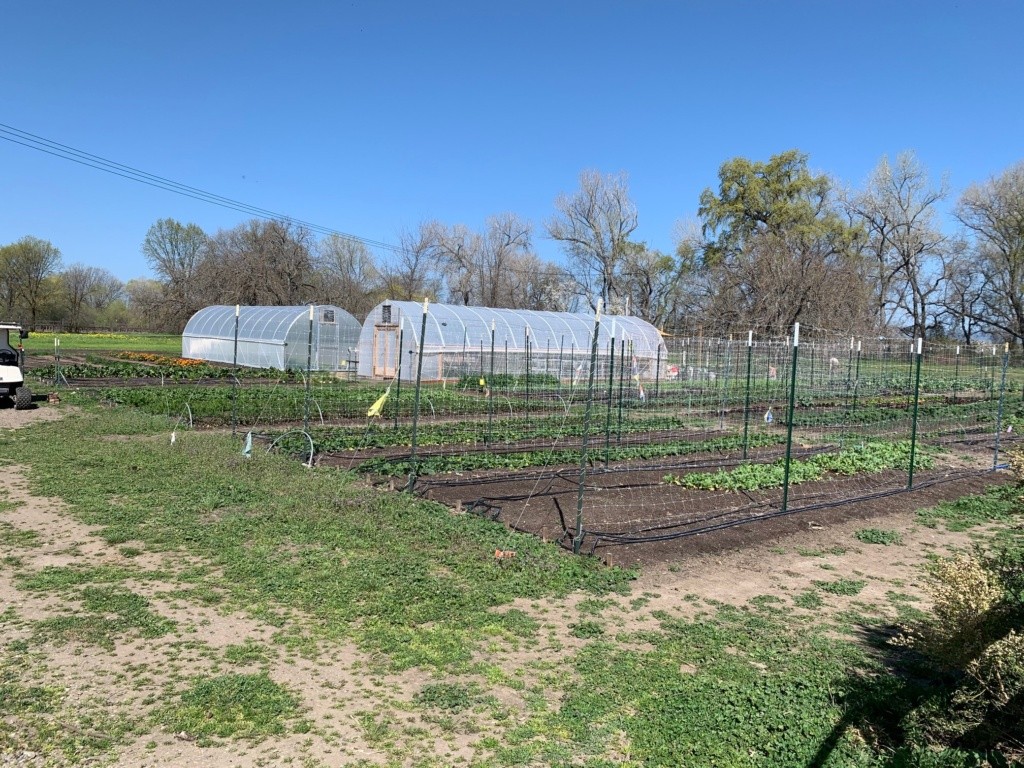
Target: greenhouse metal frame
<point>458,341</point>
<point>274,337</point>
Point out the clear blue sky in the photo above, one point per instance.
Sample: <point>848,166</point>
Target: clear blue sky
<point>370,117</point>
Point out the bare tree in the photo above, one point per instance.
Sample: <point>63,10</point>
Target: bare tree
<point>962,298</point>
<point>411,275</point>
<point>653,283</point>
<point>78,282</point>
<point>594,225</point>
<point>259,263</point>
<point>538,285</point>
<point>485,269</point>
<point>993,214</point>
<point>106,290</point>
<point>908,251</point>
<point>145,299</point>
<point>348,275</point>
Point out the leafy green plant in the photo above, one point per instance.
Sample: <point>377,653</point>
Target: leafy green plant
<point>586,629</point>
<point>878,536</point>
<point>451,697</point>
<point>871,457</point>
<point>845,587</point>
<point>241,706</point>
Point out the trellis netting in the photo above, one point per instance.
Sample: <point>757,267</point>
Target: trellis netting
<point>286,338</point>
<point>481,342</point>
<point>640,450</point>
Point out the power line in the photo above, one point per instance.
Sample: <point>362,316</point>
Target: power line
<point>65,152</point>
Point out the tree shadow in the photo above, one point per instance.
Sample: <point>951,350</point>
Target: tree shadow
<point>888,704</point>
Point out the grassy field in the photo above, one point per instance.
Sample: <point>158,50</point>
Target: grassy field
<point>41,344</point>
<point>258,612</point>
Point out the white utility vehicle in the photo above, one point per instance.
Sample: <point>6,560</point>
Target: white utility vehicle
<point>12,379</point>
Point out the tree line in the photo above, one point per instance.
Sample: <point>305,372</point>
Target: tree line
<point>772,243</point>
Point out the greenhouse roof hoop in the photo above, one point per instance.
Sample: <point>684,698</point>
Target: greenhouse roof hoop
<point>269,325</point>
<point>453,326</point>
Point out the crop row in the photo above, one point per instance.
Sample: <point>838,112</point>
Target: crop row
<point>868,458</point>
<point>468,462</point>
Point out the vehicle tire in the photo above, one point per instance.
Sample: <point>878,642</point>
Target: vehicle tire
<point>22,398</point>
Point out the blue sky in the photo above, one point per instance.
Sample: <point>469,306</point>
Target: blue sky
<point>370,117</point>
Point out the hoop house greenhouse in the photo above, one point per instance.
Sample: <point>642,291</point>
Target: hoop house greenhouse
<point>274,337</point>
<point>458,342</point>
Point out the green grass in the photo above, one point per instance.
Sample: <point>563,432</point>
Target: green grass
<point>846,587</point>
<point>41,344</point>
<point>40,717</point>
<point>809,599</point>
<point>995,505</point>
<point>17,537</point>
<point>450,697</point>
<point>108,613</point>
<point>239,706</point>
<point>404,578</point>
<point>878,536</point>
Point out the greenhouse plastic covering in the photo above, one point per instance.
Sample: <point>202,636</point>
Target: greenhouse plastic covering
<point>453,331</point>
<point>273,337</point>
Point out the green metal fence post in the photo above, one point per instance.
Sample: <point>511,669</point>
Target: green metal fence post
<point>856,378</point>
<point>309,370</point>
<point>234,384</point>
<point>791,419</point>
<point>577,540</point>
<point>527,372</point>
<point>1002,399</point>
<point>416,398</point>
<point>611,389</point>
<point>746,403</point>
<point>490,394</point>
<point>657,370</point>
<point>622,371</point>
<point>913,423</point>
<point>561,346</point>
<point>956,375</point>
<point>398,372</point>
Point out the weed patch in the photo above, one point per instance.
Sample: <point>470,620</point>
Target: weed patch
<point>239,706</point>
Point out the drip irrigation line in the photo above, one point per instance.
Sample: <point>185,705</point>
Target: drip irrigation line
<point>623,539</point>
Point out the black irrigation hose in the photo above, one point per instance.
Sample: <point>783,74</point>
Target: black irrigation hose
<point>624,539</point>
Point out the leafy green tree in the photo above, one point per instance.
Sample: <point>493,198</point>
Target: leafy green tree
<point>26,266</point>
<point>776,249</point>
<point>175,252</point>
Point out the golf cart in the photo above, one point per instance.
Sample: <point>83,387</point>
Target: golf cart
<point>12,380</point>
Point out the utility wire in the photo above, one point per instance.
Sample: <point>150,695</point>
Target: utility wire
<point>65,152</point>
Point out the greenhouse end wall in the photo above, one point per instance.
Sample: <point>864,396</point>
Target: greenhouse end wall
<point>274,337</point>
<point>458,343</point>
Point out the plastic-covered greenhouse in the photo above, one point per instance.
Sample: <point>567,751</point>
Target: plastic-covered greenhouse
<point>274,337</point>
<point>458,342</point>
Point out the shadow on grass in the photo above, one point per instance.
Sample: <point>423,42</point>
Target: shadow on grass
<point>907,706</point>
